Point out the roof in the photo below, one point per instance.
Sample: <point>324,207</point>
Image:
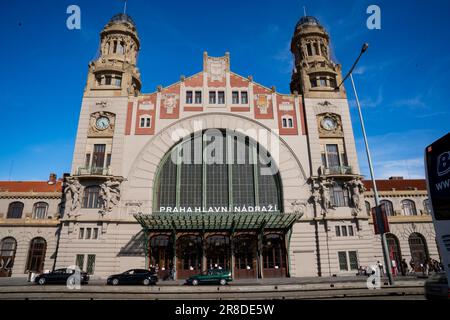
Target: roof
<point>122,17</point>
<point>307,20</point>
<point>30,186</point>
<point>398,185</point>
<point>216,221</point>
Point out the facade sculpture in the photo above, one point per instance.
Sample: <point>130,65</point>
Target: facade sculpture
<point>357,189</point>
<point>109,195</point>
<point>74,188</point>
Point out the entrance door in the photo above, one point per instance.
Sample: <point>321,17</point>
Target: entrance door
<point>418,247</point>
<point>274,256</point>
<point>98,160</point>
<point>161,255</point>
<point>7,254</point>
<point>245,265</point>
<point>189,256</point>
<point>36,255</point>
<point>218,252</point>
<point>394,251</point>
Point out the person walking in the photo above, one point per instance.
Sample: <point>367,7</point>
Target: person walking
<point>404,267</point>
<point>380,266</point>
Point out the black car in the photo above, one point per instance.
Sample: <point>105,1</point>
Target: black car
<point>60,276</point>
<point>436,287</point>
<point>133,276</point>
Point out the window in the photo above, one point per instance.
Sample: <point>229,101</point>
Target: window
<point>36,255</point>
<point>108,80</point>
<point>188,97</point>
<point>221,97</point>
<point>235,97</point>
<point>146,122</point>
<point>40,210</point>
<point>409,208</point>
<point>309,49</point>
<point>244,97</point>
<point>427,206</point>
<point>344,231</point>
<point>323,81</point>
<point>333,82</point>
<point>79,261</point>
<point>338,231</point>
<point>108,160</point>
<point>198,97</point>
<point>95,233</point>
<point>389,209</point>
<point>339,196</point>
<point>90,263</point>
<point>87,161</point>
<point>212,97</point>
<point>367,208</point>
<point>118,81</point>
<point>313,81</point>
<point>287,122</point>
<point>15,210</point>
<point>333,155</point>
<point>91,197</point>
<point>350,231</point>
<point>316,48</point>
<point>342,255</point>
<point>348,259</point>
<point>8,248</point>
<point>88,233</point>
<point>81,234</point>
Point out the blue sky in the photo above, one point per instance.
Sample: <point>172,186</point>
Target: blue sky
<point>402,80</point>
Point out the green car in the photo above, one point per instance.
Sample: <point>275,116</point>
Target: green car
<point>219,276</point>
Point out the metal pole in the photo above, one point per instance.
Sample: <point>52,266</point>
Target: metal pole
<point>384,246</point>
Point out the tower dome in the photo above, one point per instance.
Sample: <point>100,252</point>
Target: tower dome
<point>307,20</point>
<point>122,17</point>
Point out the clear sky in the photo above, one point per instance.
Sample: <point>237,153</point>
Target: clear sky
<point>402,80</point>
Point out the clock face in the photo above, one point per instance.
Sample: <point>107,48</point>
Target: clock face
<point>329,123</point>
<point>102,123</point>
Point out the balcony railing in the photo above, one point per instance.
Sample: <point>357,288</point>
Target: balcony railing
<point>99,171</point>
<point>338,170</point>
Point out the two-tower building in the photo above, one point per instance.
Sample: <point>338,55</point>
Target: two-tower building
<point>215,170</point>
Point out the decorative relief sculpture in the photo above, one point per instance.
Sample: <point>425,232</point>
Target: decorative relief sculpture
<point>102,124</point>
<point>329,125</point>
<point>262,103</point>
<point>74,188</point>
<point>357,189</point>
<point>109,195</point>
<point>170,102</point>
<point>298,207</point>
<point>321,193</point>
<point>216,67</point>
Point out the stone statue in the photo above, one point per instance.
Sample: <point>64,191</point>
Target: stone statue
<point>298,207</point>
<point>74,188</point>
<point>321,193</point>
<point>356,188</point>
<point>109,195</point>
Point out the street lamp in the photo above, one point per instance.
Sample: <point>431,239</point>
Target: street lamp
<point>384,246</point>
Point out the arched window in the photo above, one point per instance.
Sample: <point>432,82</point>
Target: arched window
<point>7,255</point>
<point>408,208</point>
<point>367,208</point>
<point>161,254</point>
<point>40,210</point>
<point>36,255</point>
<point>217,169</point>
<point>245,264</point>
<point>427,206</point>
<point>91,197</point>
<point>218,252</point>
<point>388,207</point>
<point>15,210</point>
<point>189,255</point>
<point>419,250</point>
<point>287,121</point>
<point>394,251</point>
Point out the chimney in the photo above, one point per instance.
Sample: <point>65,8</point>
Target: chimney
<point>395,178</point>
<point>52,178</point>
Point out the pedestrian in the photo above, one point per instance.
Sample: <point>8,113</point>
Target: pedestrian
<point>380,266</point>
<point>404,267</point>
<point>394,267</point>
<point>413,266</point>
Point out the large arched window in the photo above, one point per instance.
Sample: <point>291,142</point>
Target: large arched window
<point>40,210</point>
<point>218,252</point>
<point>15,210</point>
<point>394,251</point>
<point>217,169</point>
<point>91,197</point>
<point>36,255</point>
<point>388,207</point>
<point>419,250</point>
<point>427,206</point>
<point>408,208</point>
<point>7,255</point>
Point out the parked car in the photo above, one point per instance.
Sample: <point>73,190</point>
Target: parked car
<point>219,276</point>
<point>60,276</point>
<point>436,287</point>
<point>133,276</point>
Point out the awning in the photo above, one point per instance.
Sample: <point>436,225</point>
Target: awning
<point>216,221</point>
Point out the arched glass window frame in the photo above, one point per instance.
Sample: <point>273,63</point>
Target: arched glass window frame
<point>389,208</point>
<point>10,214</point>
<point>413,207</point>
<point>86,203</point>
<point>8,252</point>
<point>255,147</point>
<point>36,206</point>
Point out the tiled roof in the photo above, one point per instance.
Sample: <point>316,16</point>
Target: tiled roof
<point>30,186</point>
<point>403,185</point>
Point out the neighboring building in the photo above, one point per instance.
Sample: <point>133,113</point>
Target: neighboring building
<point>412,235</point>
<point>29,219</point>
<point>140,193</point>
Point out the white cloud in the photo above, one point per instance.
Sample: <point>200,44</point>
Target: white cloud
<point>415,102</point>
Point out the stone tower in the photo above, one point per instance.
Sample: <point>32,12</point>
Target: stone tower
<point>114,72</point>
<point>314,74</point>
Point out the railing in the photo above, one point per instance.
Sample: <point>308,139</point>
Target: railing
<point>338,170</point>
<point>101,171</point>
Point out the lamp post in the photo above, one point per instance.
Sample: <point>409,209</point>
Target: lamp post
<point>384,246</point>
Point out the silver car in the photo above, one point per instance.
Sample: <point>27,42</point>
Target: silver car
<point>436,287</point>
